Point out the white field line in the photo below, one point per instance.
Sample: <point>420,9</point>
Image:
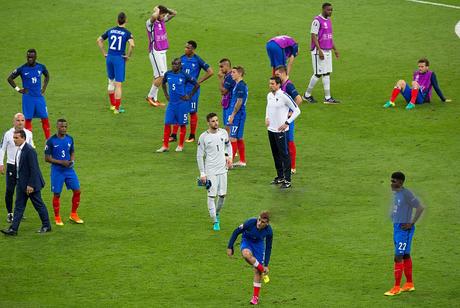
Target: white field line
<point>435,3</point>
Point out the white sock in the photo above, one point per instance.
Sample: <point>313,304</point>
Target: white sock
<point>327,86</point>
<point>257,284</point>
<point>220,203</point>
<point>154,92</point>
<point>256,264</point>
<point>311,85</point>
<point>212,208</point>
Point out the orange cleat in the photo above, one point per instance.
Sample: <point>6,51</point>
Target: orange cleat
<point>394,291</point>
<point>154,103</point>
<point>408,287</point>
<point>58,221</point>
<point>74,217</point>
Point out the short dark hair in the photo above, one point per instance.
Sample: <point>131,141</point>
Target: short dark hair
<point>193,44</point>
<point>21,132</point>
<point>32,50</point>
<point>398,175</point>
<point>211,115</point>
<point>163,9</point>
<point>326,4</point>
<point>239,69</point>
<point>121,18</point>
<point>276,79</point>
<point>424,60</point>
<point>281,68</point>
<point>61,121</point>
<point>225,60</point>
<point>265,215</point>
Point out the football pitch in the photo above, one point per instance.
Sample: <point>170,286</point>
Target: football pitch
<point>147,238</point>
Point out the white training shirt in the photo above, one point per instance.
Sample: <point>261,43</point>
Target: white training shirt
<point>8,146</point>
<point>277,111</point>
<point>211,152</point>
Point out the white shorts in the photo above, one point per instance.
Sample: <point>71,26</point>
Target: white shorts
<point>321,67</point>
<point>158,60</point>
<point>218,185</point>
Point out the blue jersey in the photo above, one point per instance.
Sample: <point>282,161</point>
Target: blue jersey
<point>117,39</point>
<point>239,91</point>
<point>193,66</point>
<point>403,204</point>
<point>176,85</point>
<point>59,149</point>
<point>229,83</point>
<point>31,77</point>
<point>254,235</point>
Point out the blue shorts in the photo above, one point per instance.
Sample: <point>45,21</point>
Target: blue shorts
<point>406,93</point>
<point>225,114</point>
<point>290,133</point>
<point>237,128</point>
<point>177,113</point>
<point>402,239</point>
<point>67,176</point>
<point>193,102</point>
<point>257,249</point>
<point>276,54</point>
<point>34,107</point>
<point>115,68</point>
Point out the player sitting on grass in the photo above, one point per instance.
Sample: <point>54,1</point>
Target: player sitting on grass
<point>423,82</point>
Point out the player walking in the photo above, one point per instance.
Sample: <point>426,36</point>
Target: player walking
<point>192,65</point>
<point>403,230</point>
<point>322,45</point>
<point>33,101</point>
<point>423,83</point>
<point>256,232</point>
<point>214,158</point>
<point>116,59</point>
<point>158,46</point>
<point>60,153</point>
<point>282,48</point>
<point>178,107</point>
<point>226,85</point>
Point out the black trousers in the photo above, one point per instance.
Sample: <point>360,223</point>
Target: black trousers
<point>20,206</point>
<point>280,152</point>
<point>10,185</point>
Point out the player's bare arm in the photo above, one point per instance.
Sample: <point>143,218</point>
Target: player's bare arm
<point>289,64</point>
<point>209,73</point>
<point>130,49</point>
<point>155,14</point>
<point>314,38</point>
<point>238,104</point>
<point>190,95</point>
<point>418,212</point>
<point>171,14</point>
<point>336,52</point>
<point>45,82</point>
<point>100,44</point>
<point>11,78</point>
<point>165,91</point>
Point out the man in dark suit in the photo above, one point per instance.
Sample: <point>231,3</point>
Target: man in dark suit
<point>29,183</point>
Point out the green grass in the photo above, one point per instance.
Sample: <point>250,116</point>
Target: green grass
<point>147,240</point>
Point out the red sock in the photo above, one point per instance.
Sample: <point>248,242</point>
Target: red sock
<point>408,269</point>
<point>166,134</point>
<point>234,148</point>
<point>241,150</point>
<point>28,124</point>
<point>292,153</point>
<point>46,127</point>
<point>256,289</point>
<point>183,130</point>
<point>117,103</point>
<point>413,95</point>
<point>175,129</point>
<point>394,94</point>
<point>75,200</point>
<point>260,267</point>
<point>398,271</point>
<point>56,205</point>
<point>112,99</point>
<point>193,123</point>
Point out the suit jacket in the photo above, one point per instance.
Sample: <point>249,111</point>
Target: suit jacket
<point>29,170</point>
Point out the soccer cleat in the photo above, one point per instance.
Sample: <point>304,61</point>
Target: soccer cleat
<point>115,111</point>
<point>254,300</point>
<point>408,287</point>
<point>239,164</point>
<point>121,110</point>
<point>285,185</point>
<point>389,104</point>
<point>265,278</point>
<point>410,106</point>
<point>151,102</point>
<point>112,107</point>
<point>173,138</point>
<point>44,230</point>
<point>293,171</point>
<point>216,226</point>
<point>9,218</point>
<point>58,221</point>
<point>277,181</point>
<point>190,138</point>
<point>394,291</point>
<point>331,101</point>
<point>160,104</point>
<point>162,149</point>
<point>74,217</point>
<point>179,148</point>
<point>9,231</point>
<point>310,99</point>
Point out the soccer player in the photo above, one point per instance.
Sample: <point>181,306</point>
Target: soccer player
<point>8,146</point>
<point>158,46</point>
<point>213,155</point>
<point>288,87</point>
<point>60,153</point>
<point>404,220</point>
<point>33,101</point>
<point>178,107</point>
<point>423,82</point>
<point>116,59</point>
<point>256,232</point>
<point>192,65</point>
<point>321,46</point>
<point>237,115</point>
<point>281,48</point>
<point>226,86</point>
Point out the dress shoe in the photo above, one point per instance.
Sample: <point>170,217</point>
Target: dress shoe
<point>44,230</point>
<point>9,231</point>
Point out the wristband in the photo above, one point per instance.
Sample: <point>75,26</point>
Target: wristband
<point>17,88</point>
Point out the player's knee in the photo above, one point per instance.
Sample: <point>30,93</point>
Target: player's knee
<point>246,253</point>
<point>401,83</point>
<point>117,85</point>
<point>415,85</point>
<point>406,256</point>
<point>111,85</point>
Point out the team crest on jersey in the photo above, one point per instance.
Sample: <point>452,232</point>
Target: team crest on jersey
<point>180,80</point>
<point>193,65</point>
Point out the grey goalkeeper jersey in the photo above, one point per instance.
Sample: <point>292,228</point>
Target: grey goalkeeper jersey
<point>211,152</point>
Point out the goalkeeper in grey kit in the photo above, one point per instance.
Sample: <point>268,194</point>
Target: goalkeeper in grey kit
<point>214,157</point>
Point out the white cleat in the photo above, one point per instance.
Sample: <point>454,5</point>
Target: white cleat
<point>293,171</point>
<point>239,164</point>
<point>179,149</point>
<point>162,150</point>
